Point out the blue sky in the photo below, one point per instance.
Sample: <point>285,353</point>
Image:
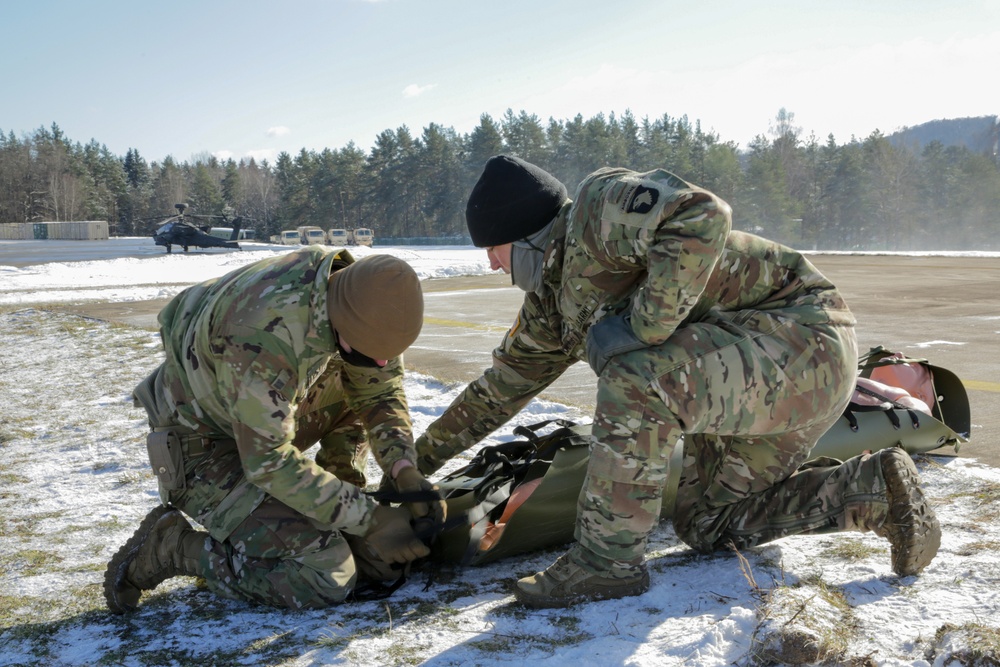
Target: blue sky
<point>241,78</point>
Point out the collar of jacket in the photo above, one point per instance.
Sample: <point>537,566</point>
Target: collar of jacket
<point>553,258</point>
<point>320,334</point>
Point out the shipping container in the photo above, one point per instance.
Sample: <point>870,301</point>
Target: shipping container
<point>85,230</point>
<point>16,231</point>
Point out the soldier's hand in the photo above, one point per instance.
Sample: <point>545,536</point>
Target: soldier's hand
<point>391,536</point>
<point>410,480</point>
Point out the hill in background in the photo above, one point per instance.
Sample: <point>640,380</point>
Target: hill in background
<point>980,134</point>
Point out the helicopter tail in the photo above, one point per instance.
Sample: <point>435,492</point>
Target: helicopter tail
<point>237,225</point>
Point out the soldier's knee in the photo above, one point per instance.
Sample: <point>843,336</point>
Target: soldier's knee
<point>700,528</point>
<point>627,369</point>
<point>316,579</point>
<point>693,539</point>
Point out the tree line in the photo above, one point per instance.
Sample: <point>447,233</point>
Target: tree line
<point>872,193</point>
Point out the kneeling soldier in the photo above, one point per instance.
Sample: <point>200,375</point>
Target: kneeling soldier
<point>733,342</point>
<point>260,365</point>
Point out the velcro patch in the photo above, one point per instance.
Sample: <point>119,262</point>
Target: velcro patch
<point>279,382</point>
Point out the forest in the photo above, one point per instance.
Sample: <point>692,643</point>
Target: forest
<point>874,193</point>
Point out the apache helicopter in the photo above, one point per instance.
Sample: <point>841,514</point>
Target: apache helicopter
<point>178,231</point>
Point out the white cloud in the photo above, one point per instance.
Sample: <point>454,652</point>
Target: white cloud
<point>222,155</point>
<point>278,131</point>
<point>413,90</point>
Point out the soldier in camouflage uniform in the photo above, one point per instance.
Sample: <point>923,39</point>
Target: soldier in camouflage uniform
<point>734,343</point>
<point>260,365</point>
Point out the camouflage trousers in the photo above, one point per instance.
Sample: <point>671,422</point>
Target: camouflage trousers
<point>260,549</point>
<point>750,395</point>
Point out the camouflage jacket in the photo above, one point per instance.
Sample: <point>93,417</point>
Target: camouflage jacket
<point>647,243</point>
<point>243,351</point>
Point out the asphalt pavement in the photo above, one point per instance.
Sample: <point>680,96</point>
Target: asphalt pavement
<point>944,309</point>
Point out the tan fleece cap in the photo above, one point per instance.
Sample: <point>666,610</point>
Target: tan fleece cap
<point>376,305</point>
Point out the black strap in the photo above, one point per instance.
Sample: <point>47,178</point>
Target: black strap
<point>890,414</point>
<point>390,495</point>
<point>375,590</point>
<point>887,359</point>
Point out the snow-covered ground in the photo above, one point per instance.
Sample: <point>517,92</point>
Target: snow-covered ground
<point>158,275</point>
<point>74,483</point>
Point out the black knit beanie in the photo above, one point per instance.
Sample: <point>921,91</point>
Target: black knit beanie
<point>513,199</point>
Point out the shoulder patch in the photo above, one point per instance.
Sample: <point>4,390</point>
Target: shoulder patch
<point>514,327</point>
<point>641,200</point>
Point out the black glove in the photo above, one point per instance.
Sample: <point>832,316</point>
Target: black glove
<point>611,336</point>
<point>410,480</point>
<point>391,536</point>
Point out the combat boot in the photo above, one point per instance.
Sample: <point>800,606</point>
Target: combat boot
<point>911,526</point>
<point>565,583</point>
<point>164,546</point>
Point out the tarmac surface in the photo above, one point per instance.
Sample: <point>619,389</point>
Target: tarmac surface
<point>944,309</point>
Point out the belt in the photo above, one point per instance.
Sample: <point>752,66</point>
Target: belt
<point>196,444</point>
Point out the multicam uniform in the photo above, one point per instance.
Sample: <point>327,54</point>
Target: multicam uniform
<point>251,380</point>
<point>750,356</point>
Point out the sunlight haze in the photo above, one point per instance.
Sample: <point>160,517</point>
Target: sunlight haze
<point>253,79</point>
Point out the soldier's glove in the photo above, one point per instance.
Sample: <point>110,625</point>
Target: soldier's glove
<point>391,536</point>
<point>411,480</point>
<point>610,337</point>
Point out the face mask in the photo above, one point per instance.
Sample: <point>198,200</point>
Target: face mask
<point>526,268</point>
<point>526,257</point>
<point>354,357</point>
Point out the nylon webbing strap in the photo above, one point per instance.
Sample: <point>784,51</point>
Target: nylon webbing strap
<point>914,420</point>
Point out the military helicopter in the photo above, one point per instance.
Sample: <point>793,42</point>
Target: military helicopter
<point>178,231</point>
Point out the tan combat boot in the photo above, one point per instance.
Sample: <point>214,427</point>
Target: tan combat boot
<point>565,583</point>
<point>911,527</point>
<point>164,546</point>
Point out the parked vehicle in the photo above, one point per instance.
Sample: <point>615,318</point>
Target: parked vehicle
<point>362,236</point>
<point>192,231</point>
<point>286,237</point>
<point>309,235</point>
<point>227,233</point>
<point>338,237</point>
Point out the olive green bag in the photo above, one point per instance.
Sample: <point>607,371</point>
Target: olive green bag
<point>521,496</point>
<point>547,467</point>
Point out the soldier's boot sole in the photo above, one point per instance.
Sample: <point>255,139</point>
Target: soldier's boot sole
<point>912,527</point>
<point>122,594</point>
<point>564,584</point>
